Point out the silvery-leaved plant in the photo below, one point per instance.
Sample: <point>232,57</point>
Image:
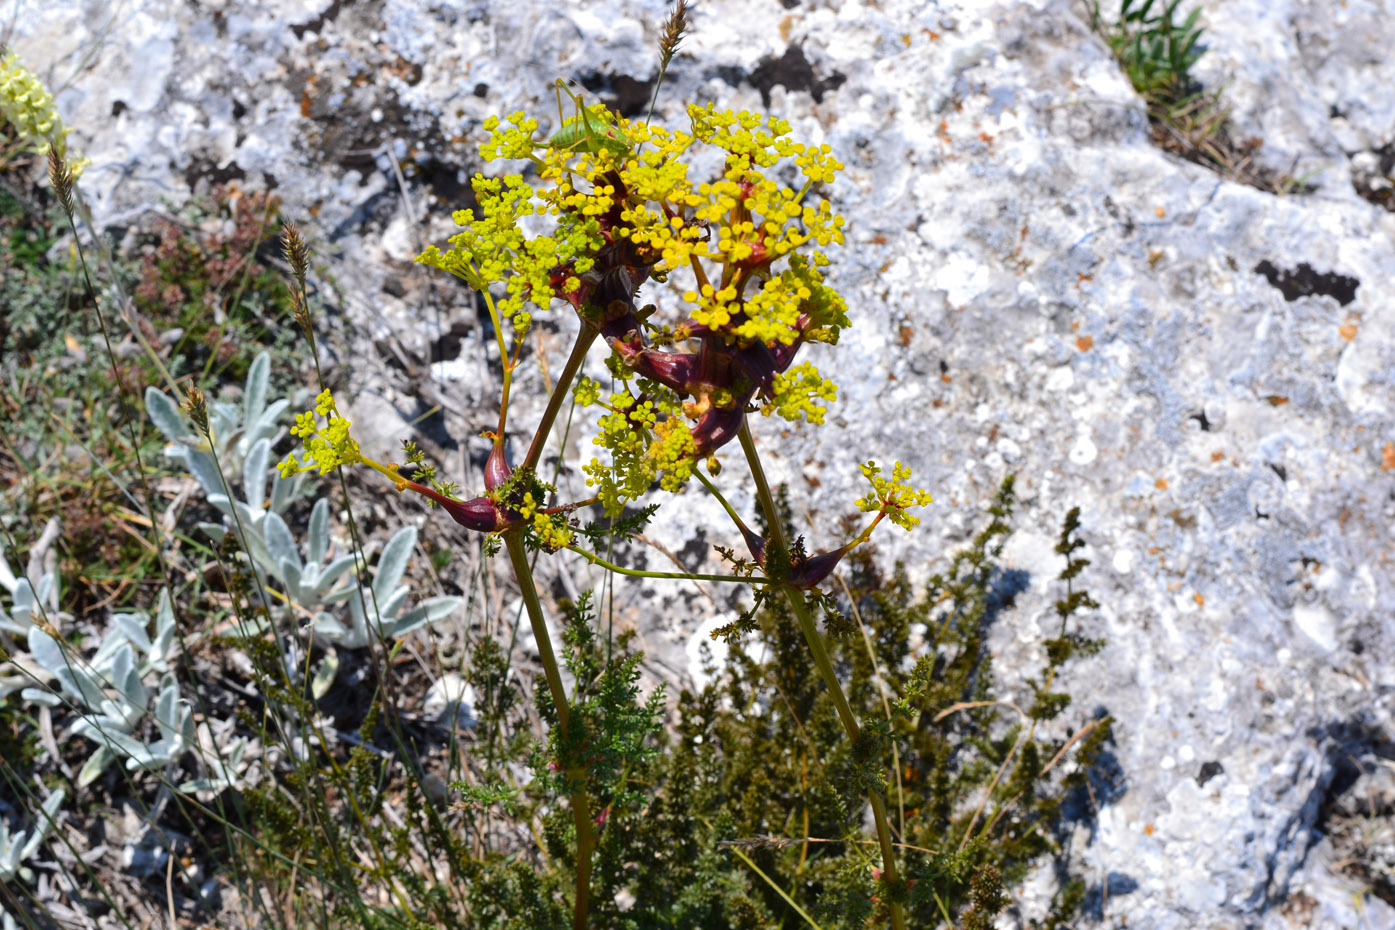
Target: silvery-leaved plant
<point>16,848</point>
<point>28,602</point>
<point>155,651</point>
<point>238,443</point>
<point>27,606</point>
<point>235,428</point>
<point>25,602</point>
<point>220,775</point>
<point>319,578</point>
<point>384,609</point>
<point>248,517</point>
<point>110,688</point>
<point>224,765</point>
<point>318,581</point>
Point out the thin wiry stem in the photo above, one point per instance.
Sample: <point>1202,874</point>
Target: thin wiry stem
<point>778,554</point>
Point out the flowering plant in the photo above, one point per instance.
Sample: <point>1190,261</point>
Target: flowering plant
<point>26,105</point>
<point>620,205</point>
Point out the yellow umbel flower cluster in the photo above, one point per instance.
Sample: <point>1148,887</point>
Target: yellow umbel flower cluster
<point>628,182</point>
<point>325,448</point>
<point>893,496</point>
<point>28,106</point>
<point>611,206</point>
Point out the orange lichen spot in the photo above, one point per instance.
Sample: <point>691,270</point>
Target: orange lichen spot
<point>879,239</point>
<point>946,379</point>
<point>1217,455</point>
<point>904,334</point>
<point>1387,457</point>
<point>1276,400</point>
<point>1085,343</point>
<point>1160,484</point>
<point>1148,830</point>
<point>1154,550</point>
<point>1154,256</point>
<point>1081,278</point>
<point>1348,329</point>
<point>931,33</point>
<point>906,39</point>
<point>1198,598</point>
<point>936,402</point>
<point>1160,212</point>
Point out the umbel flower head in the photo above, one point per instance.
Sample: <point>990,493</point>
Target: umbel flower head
<point>889,498</point>
<point>625,211</point>
<point>28,106</point>
<point>510,499</point>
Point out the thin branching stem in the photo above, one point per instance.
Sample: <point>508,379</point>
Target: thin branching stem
<point>778,554</point>
<point>581,806</point>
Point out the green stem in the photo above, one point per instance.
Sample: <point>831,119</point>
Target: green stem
<point>584,339</point>
<point>675,576</point>
<point>581,806</point>
<point>712,489</point>
<point>778,555</point>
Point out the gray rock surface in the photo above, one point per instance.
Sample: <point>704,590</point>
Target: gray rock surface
<point>1208,370</point>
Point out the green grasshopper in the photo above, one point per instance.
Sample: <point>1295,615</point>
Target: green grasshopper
<point>587,131</point>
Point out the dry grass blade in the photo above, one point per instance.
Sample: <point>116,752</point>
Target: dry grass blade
<point>60,175</point>
<point>297,252</point>
<point>1002,769</point>
<point>674,29</point>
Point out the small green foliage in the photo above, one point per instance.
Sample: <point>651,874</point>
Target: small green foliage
<point>1157,48</point>
<point>626,526</point>
<point>758,763</point>
<point>611,729</point>
<point>422,472</point>
<point>1067,644</point>
<point>1156,51</point>
<point>486,795</point>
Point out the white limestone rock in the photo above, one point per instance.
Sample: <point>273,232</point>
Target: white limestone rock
<point>1208,370</point>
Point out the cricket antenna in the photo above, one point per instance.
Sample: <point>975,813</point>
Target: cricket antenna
<point>674,27</point>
